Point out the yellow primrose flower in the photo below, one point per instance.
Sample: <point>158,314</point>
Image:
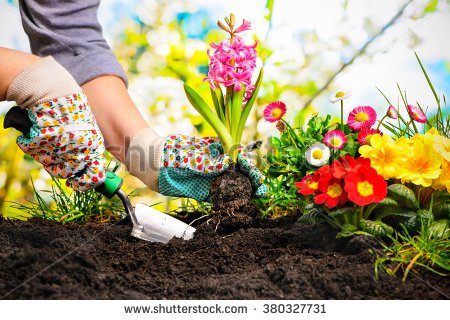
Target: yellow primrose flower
<point>422,166</point>
<point>443,182</point>
<point>386,155</point>
<point>442,146</point>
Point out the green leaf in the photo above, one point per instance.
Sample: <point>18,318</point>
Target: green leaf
<point>387,202</point>
<point>441,210</point>
<point>394,211</point>
<point>269,10</point>
<point>347,230</point>
<point>206,112</point>
<point>275,142</point>
<point>375,228</point>
<point>343,215</point>
<point>431,7</point>
<point>436,97</point>
<point>440,229</point>
<point>415,222</point>
<point>248,106</point>
<point>219,103</point>
<point>403,195</point>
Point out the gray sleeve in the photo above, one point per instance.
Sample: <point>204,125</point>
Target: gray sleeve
<point>69,31</point>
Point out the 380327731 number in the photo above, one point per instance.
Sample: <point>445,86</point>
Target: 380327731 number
<point>294,308</point>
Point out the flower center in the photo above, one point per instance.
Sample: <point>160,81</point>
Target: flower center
<point>415,115</point>
<point>340,94</point>
<point>365,188</point>
<point>317,154</point>
<point>313,185</point>
<point>335,142</point>
<point>334,190</point>
<point>276,113</point>
<point>362,116</point>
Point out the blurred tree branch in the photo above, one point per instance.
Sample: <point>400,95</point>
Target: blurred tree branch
<point>359,53</point>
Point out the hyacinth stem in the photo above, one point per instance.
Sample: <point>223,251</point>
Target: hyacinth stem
<point>228,103</point>
<point>236,111</point>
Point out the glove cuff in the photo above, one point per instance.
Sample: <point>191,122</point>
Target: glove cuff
<point>144,156</point>
<point>42,81</point>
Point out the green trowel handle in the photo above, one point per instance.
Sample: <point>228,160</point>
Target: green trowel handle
<point>111,185</point>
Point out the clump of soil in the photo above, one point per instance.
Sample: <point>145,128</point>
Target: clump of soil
<point>230,195</point>
<point>230,191</point>
<point>276,259</point>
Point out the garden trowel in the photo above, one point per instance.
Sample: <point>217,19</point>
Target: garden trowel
<point>148,224</point>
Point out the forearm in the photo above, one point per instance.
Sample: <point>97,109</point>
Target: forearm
<point>117,116</point>
<point>12,63</point>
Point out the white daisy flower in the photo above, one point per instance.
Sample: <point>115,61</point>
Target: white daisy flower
<point>340,95</point>
<point>317,154</point>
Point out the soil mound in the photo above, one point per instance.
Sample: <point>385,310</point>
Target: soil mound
<point>271,260</point>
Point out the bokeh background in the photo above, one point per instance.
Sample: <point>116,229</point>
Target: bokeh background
<point>309,49</point>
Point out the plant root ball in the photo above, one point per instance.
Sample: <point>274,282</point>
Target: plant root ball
<point>230,191</point>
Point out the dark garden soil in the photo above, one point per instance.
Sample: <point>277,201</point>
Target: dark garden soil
<point>272,260</point>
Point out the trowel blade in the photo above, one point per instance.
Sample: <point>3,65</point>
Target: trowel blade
<point>156,226</point>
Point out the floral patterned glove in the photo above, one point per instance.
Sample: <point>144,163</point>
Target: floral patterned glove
<point>189,165</point>
<point>64,138</point>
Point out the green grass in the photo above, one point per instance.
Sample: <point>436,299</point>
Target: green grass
<point>408,253</point>
<point>66,205</point>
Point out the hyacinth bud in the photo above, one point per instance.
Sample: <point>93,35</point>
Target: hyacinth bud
<point>227,20</point>
<point>223,27</point>
<point>232,20</point>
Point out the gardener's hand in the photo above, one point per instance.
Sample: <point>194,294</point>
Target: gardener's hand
<point>57,125</point>
<point>188,165</point>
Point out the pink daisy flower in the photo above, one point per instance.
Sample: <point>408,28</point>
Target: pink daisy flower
<point>365,135</point>
<point>335,139</point>
<point>362,117</point>
<point>274,111</point>
<point>392,112</point>
<point>416,113</point>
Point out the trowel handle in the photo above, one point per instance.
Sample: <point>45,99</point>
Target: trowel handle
<point>111,186</point>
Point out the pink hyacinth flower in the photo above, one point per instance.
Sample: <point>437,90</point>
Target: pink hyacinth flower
<point>416,113</point>
<point>246,25</point>
<point>392,112</point>
<point>232,64</point>
<point>238,78</point>
<point>362,117</point>
<point>274,111</point>
<point>365,135</point>
<point>335,139</point>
